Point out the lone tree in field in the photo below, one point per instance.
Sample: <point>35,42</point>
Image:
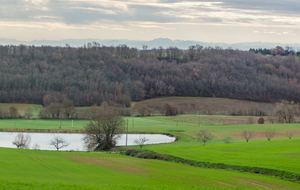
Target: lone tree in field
<point>289,134</point>
<point>22,141</point>
<point>250,120</point>
<point>227,139</point>
<point>270,133</point>
<point>59,142</point>
<point>248,135</point>
<point>141,141</point>
<point>103,130</point>
<point>204,135</point>
<point>261,120</point>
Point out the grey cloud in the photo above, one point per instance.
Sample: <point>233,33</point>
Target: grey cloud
<point>21,10</point>
<point>152,14</point>
<point>210,20</point>
<point>283,6</point>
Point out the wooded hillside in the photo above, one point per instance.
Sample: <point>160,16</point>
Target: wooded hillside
<point>94,73</point>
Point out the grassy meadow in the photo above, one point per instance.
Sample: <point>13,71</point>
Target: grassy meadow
<point>35,169</point>
<point>22,107</point>
<point>40,124</point>
<point>275,154</point>
<point>21,169</point>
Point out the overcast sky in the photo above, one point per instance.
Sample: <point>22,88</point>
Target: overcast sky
<point>228,21</point>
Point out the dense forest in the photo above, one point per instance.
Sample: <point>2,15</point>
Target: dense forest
<point>93,73</point>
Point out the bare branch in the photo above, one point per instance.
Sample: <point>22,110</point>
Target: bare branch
<point>22,141</point>
<point>103,130</point>
<point>270,133</point>
<point>59,142</point>
<point>141,141</point>
<point>248,135</point>
<point>204,135</point>
<point>289,134</point>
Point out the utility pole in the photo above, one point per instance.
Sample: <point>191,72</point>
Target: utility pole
<point>126,133</point>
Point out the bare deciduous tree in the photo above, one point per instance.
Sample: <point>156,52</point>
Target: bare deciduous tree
<point>144,111</point>
<point>272,118</point>
<point>54,110</point>
<point>68,108</point>
<point>250,120</point>
<point>103,130</point>
<point>28,112</point>
<point>204,135</point>
<point>141,141</point>
<point>248,135</point>
<point>171,109</point>
<point>13,112</point>
<point>59,142</point>
<point>270,133</point>
<point>289,134</point>
<point>36,147</point>
<point>22,141</point>
<point>287,111</point>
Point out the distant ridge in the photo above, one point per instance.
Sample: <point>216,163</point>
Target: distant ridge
<point>155,43</point>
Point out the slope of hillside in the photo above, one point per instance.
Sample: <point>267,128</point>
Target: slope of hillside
<point>92,74</point>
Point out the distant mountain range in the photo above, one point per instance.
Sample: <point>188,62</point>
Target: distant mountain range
<point>155,43</point>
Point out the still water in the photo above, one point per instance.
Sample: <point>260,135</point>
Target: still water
<point>75,140</point>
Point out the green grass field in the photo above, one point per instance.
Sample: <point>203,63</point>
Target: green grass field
<point>21,169</point>
<point>36,124</point>
<point>22,107</point>
<point>274,154</point>
<point>34,169</point>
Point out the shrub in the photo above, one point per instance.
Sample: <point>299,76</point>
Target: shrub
<point>227,139</point>
<point>171,109</point>
<point>144,111</point>
<point>261,120</point>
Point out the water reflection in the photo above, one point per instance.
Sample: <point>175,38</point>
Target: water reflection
<point>75,140</point>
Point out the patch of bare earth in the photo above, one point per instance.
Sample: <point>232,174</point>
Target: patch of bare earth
<point>258,184</point>
<point>115,163</point>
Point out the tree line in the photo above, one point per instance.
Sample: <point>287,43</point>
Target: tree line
<point>93,74</point>
<point>278,50</point>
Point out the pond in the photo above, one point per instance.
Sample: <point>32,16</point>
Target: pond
<point>75,140</point>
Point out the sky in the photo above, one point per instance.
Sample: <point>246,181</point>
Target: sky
<point>228,21</point>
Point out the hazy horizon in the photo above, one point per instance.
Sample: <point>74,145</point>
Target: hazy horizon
<point>154,43</point>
